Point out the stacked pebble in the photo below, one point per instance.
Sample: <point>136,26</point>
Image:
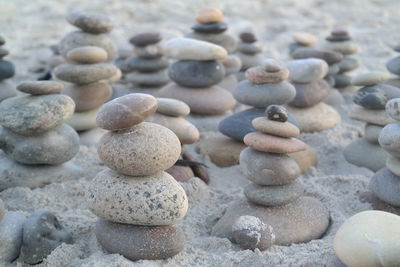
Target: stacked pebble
<point>147,67</point>
<point>393,66</point>
<point>137,201</point>
<point>232,65</point>
<point>370,100</point>
<point>340,41</point>
<point>195,76</point>
<point>274,196</point>
<point>301,40</point>
<point>249,52</point>
<point>7,71</point>
<point>307,76</point>
<point>34,137</point>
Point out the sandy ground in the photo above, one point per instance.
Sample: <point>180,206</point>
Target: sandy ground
<point>31,26</point>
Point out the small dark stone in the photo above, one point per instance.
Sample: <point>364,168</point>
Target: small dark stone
<point>248,37</point>
<point>329,56</point>
<point>370,98</point>
<point>397,48</point>
<point>146,38</point>
<point>338,38</point>
<point>216,27</point>
<point>277,113</point>
<point>339,32</point>
<point>7,69</point>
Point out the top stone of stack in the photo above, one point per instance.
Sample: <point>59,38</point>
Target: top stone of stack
<point>90,22</point>
<point>340,41</point>
<point>145,38</point>
<point>40,87</point>
<point>209,15</point>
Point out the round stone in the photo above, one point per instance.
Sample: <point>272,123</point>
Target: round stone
<point>373,116</point>
<point>276,113</point>
<point>310,94</point>
<point>196,74</point>
<point>273,144</point>
<point>372,132</point>
<point>247,37</point>
<point>31,115</point>
<point>393,65</point>
<point>126,111</point>
<point>370,98</point>
<point>7,69</point>
<point>145,200</point>
<point>259,75</point>
<point>88,96</point>
<point>386,185</point>
<point>282,129</point>
<point>248,48</point>
<point>393,109</point>
<point>371,78</point>
<point>393,164</point>
<point>353,244</point>
<point>87,55</point>
<point>307,70</point>
<point>84,74</point>
<point>329,57</point>
<point>11,231</point>
<point>224,39</point>
<point>268,168</point>
<point>140,242</point>
<point>209,15</point>
<point>144,149</point>
<point>389,139</point>
<point>145,64</point>
<point>172,107</point>
<point>214,27</point>
<point>90,22</point>
<point>273,195</point>
<point>40,87</point>
<point>305,39</point>
<point>145,38</point>
<point>232,64</point>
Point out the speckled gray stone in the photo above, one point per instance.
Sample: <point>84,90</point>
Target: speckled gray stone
<point>393,109</point>
<point>149,200</point>
<point>389,139</point>
<point>85,73</point>
<point>386,186</point>
<point>11,228</point>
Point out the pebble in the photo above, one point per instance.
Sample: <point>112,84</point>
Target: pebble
<point>209,15</point>
<point>7,90</point>
<point>146,200</point>
<point>181,173</point>
<point>393,164</point>
<point>370,98</point>
<point>329,57</point>
<point>305,159</point>
<point>333,69</point>
<point>88,96</point>
<point>268,168</point>
<point>247,37</point>
<point>140,242</point>
<point>157,78</point>
<point>259,75</point>
<point>53,147</point>
<point>42,234</point>
<point>372,132</point>
<point>339,32</point>
<point>196,74</point>
<point>191,49</point>
<point>338,38</point>
<point>126,111</point>
<point>222,39</point>
<point>213,27</point>
<point>345,48</point>
<point>172,107</point>
<point>310,94</point>
<point>273,144</point>
<point>40,87</point>
<point>145,64</point>
<point>307,70</point>
<point>82,121</point>
<point>145,38</point>
<point>2,209</point>
<point>276,113</point>
<point>348,64</point>
<point>393,109</point>
<point>393,65</point>
<point>369,238</point>
<point>263,95</point>
<point>2,40</point>
<point>389,139</point>
<point>87,55</point>
<point>342,80</point>
<point>248,48</point>
<point>232,64</point>
<point>386,185</point>
<point>283,129</point>
<point>7,69</point>
<point>371,78</point>
<point>144,149</point>
<point>90,22</point>
<point>304,38</point>
<point>229,82</point>
<point>31,115</point>
<point>249,61</point>
<point>334,98</point>
<point>84,74</point>
<point>152,51</point>
<point>378,117</point>
<point>11,229</point>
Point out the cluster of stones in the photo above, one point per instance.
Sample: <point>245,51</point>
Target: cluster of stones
<point>7,71</point>
<point>147,67</point>
<point>249,52</point>
<point>32,238</point>
<point>36,141</point>
<point>370,103</point>
<point>274,196</point>
<point>307,76</point>
<point>87,70</point>
<point>195,76</point>
<point>340,41</point>
<point>393,66</point>
<point>301,40</point>
<point>137,201</point>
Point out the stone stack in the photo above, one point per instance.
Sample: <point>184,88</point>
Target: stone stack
<point>340,41</point>
<point>137,202</point>
<point>249,52</point>
<point>370,103</point>
<point>393,66</point>
<point>147,67</point>
<point>301,40</point>
<point>36,141</point>
<point>274,196</point>
<point>7,71</point>
<point>195,76</point>
<point>307,76</point>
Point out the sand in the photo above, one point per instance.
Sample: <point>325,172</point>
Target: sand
<point>31,26</point>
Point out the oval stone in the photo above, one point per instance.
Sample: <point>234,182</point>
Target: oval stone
<point>259,75</point>
<point>393,65</point>
<point>389,139</point>
<point>209,15</point>
<point>310,94</point>
<point>307,70</point>
<point>7,69</point>
<point>372,132</point>
<point>304,38</point>
<point>386,185</point>
<point>224,39</point>
<point>330,57</point>
<point>172,107</point>
<point>145,64</point>
<point>370,98</point>
<point>232,64</point>
<point>90,21</point>
<point>156,79</point>
<point>146,200</point>
<point>283,129</point>
<point>88,96</point>
<point>84,74</point>
<point>87,55</point>
<point>214,27</point>
<point>273,144</point>
<point>145,38</point>
<point>40,87</point>
<point>371,78</point>
<point>247,37</point>
<point>393,109</point>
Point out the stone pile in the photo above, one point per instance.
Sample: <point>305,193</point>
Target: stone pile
<point>301,40</point>
<point>370,103</point>
<point>7,71</point>
<point>34,138</point>
<point>249,52</point>
<point>393,66</point>
<point>195,76</point>
<point>137,202</point>
<point>274,197</point>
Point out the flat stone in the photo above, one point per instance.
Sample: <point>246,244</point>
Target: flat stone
<point>282,129</point>
<point>365,154</point>
<point>207,101</point>
<point>372,132</point>
<point>7,69</point>
<point>197,74</point>
<point>11,229</point>
<point>172,107</point>
<point>259,75</point>
<point>248,48</point>
<point>273,144</point>
<point>53,147</point>
<point>393,65</point>
<point>30,115</point>
<point>88,96</point>
<point>305,213</point>
<point>191,49</point>
<point>146,200</point>
<point>209,15</point>
<point>353,241</point>
<point>145,64</point>
<point>140,242</point>
<point>310,94</point>
<point>378,117</point>
<point>345,47</point>
<point>7,90</point>
<point>232,64</point>
<point>304,38</point>
<point>370,98</point>
<point>268,168</point>
<point>348,64</point>
<point>247,37</point>
<point>157,78</point>
<point>393,82</point>
<point>249,61</point>
<point>41,235</point>
<point>263,95</point>
<point>342,80</point>
<point>152,51</point>
<point>393,109</point>
<point>87,55</point>
<point>181,173</point>
<point>145,38</point>
<point>224,39</point>
<point>329,57</point>
<point>338,38</point>
<point>84,120</point>
<point>307,70</point>
<point>393,164</point>
<point>213,27</point>
<point>389,139</point>
<point>84,74</point>
<point>371,78</point>
<point>90,21</point>
<point>40,87</point>
<point>386,185</point>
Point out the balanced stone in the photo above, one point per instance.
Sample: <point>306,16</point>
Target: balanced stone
<point>348,64</point>
<point>143,200</point>
<point>283,129</point>
<point>249,49</point>
<point>146,65</point>
<point>345,47</point>
<point>232,64</point>
<point>276,113</point>
<point>273,144</point>
<point>209,15</point>
<point>248,37</point>
<point>152,51</point>
<point>307,70</point>
<point>87,55</point>
<point>393,109</point>
<point>389,139</point>
<point>7,69</point>
<point>90,22</point>
<point>40,87</point>
<point>146,38</point>
<point>378,117</point>
<point>386,186</point>
<point>156,78</point>
<point>370,98</point>
<point>214,27</point>
<point>310,94</point>
<point>84,74</point>
<point>88,96</point>
<point>11,231</point>
<point>393,65</point>
<point>249,61</point>
<point>260,75</point>
<point>370,78</point>
<point>329,56</point>
<point>304,38</point>
<point>172,107</point>
<point>224,39</point>
<point>2,209</point>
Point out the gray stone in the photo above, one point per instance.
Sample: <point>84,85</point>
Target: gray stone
<point>40,87</point>
<point>342,80</point>
<point>393,109</point>
<point>11,229</point>
<point>87,55</point>
<point>145,39</point>
<point>7,90</point>
<point>140,242</point>
<point>172,107</point>
<point>2,209</point>
<point>224,39</point>
<point>7,69</point>
<point>393,65</point>
<point>157,78</point>
<point>389,139</point>
<point>310,94</point>
<point>213,27</point>
<point>232,64</point>
<point>248,48</point>
<point>307,70</point>
<point>86,73</point>
<point>90,21</point>
<point>386,186</point>
<point>372,132</point>
<point>145,64</point>
<point>348,64</point>
<point>370,98</point>
<point>249,61</point>
<point>329,57</point>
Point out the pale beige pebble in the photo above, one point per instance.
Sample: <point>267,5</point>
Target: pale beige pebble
<point>210,15</point>
<point>87,55</point>
<point>2,209</point>
<point>272,65</point>
<point>393,164</point>
<point>172,107</point>
<point>85,73</point>
<point>304,38</point>
<point>370,78</point>
<point>283,129</point>
<point>305,159</point>
<point>116,77</point>
<point>378,117</point>
<point>369,238</point>
<point>84,120</point>
<point>232,64</point>
<point>273,144</point>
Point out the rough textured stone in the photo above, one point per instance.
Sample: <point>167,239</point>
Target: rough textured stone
<point>145,38</point>
<point>259,75</point>
<point>87,55</point>
<point>276,113</point>
<point>90,21</point>
<point>88,96</point>
<point>310,94</point>
<point>40,87</point>
<point>389,139</point>
<point>172,107</point>
<point>273,144</point>
<point>283,129</point>
<point>307,70</point>
<point>84,74</point>
<point>11,229</point>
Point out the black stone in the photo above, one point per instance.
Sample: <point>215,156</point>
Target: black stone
<point>370,98</point>
<point>216,27</point>
<point>276,113</point>
<point>7,69</point>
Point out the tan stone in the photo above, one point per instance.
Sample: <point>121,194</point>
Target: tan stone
<point>88,96</point>
<point>87,55</point>
<point>282,129</point>
<point>273,144</point>
<point>209,15</point>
